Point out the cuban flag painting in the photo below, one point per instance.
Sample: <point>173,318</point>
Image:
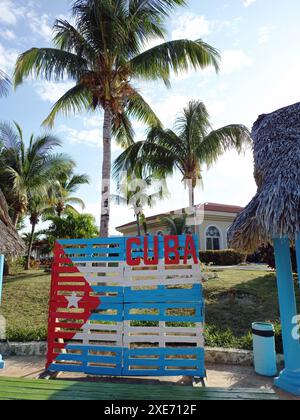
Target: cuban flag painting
<point>127,307</point>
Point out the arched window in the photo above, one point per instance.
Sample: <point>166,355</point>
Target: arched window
<point>213,239</point>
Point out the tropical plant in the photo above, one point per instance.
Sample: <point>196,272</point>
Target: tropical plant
<point>27,170</point>
<point>38,205</point>
<point>139,193</point>
<point>71,225</point>
<point>192,145</point>
<point>62,190</point>
<point>176,225</point>
<point>5,83</point>
<point>103,53</point>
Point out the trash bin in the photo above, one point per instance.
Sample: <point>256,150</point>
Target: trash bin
<point>264,349</point>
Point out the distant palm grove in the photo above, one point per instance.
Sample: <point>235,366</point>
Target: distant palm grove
<point>105,53</point>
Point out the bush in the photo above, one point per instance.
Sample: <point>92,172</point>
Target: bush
<point>224,258</point>
<point>267,256</point>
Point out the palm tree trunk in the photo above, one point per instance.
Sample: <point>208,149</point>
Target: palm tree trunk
<point>138,224</point>
<point>192,205</point>
<point>27,266</point>
<point>191,196</point>
<point>106,172</point>
<point>15,219</point>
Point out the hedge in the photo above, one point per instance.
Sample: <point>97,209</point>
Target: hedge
<point>224,258</point>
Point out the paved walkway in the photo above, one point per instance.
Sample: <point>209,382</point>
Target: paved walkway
<point>218,376</point>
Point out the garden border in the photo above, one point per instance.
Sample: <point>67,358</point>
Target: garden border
<point>216,356</point>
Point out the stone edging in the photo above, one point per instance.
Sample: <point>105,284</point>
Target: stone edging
<point>216,356</point>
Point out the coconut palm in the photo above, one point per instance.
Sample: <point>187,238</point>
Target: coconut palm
<point>27,170</point>
<point>104,52</point>
<point>38,204</point>
<point>62,190</point>
<point>5,83</point>
<point>139,193</point>
<point>176,225</point>
<point>191,145</point>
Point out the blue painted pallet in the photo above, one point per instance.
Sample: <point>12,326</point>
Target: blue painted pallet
<point>164,294</point>
<point>89,363</point>
<point>164,362</point>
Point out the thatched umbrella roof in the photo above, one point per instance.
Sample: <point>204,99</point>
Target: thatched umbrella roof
<point>275,209</point>
<point>10,242</point>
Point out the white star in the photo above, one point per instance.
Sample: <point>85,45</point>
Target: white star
<point>73,300</point>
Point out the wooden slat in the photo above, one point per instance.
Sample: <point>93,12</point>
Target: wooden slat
<point>21,389</point>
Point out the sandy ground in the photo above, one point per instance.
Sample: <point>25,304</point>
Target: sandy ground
<point>218,376</point>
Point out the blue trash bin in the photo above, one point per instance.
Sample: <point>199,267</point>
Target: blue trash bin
<point>264,349</point>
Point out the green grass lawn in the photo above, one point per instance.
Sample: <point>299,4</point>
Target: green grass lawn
<point>233,302</point>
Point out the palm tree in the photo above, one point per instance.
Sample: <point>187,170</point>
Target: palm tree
<point>27,171</point>
<point>176,225</point>
<point>138,193</point>
<point>187,149</point>
<point>37,205</point>
<point>5,83</point>
<point>61,192</point>
<point>103,53</point>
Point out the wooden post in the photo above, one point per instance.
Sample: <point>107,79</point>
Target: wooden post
<point>298,254</point>
<point>1,282</point>
<point>289,379</point>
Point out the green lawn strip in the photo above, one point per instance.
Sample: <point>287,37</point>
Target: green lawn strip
<point>228,322</point>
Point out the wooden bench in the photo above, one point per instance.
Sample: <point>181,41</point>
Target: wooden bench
<point>30,389</point>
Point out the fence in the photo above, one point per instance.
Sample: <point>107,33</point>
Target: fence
<point>111,318</point>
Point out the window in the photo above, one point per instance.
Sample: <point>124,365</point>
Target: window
<point>213,239</point>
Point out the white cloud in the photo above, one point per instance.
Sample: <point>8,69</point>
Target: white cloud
<point>8,35</point>
<point>8,58</point>
<point>234,60</point>
<point>191,26</point>
<point>40,25</point>
<point>52,91</point>
<point>264,33</point>
<point>248,3</point>
<point>92,137</point>
<point>8,13</point>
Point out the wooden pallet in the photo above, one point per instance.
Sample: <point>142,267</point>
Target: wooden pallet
<point>30,389</point>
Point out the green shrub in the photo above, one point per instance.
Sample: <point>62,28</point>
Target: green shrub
<point>224,258</point>
<point>225,338</point>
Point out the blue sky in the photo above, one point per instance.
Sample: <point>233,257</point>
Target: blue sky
<point>259,42</point>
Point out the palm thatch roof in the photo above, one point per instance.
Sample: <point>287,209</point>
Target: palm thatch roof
<point>10,242</point>
<point>275,209</point>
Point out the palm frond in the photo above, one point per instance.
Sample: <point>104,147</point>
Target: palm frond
<point>5,84</point>
<point>123,131</point>
<point>75,99</point>
<point>219,141</point>
<point>77,201</point>
<point>139,109</point>
<point>177,56</point>
<point>68,38</point>
<point>49,63</point>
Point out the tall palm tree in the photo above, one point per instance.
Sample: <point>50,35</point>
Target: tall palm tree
<point>62,190</point>
<point>27,170</point>
<point>191,145</point>
<point>5,83</point>
<point>139,193</point>
<point>104,52</point>
<point>38,204</point>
